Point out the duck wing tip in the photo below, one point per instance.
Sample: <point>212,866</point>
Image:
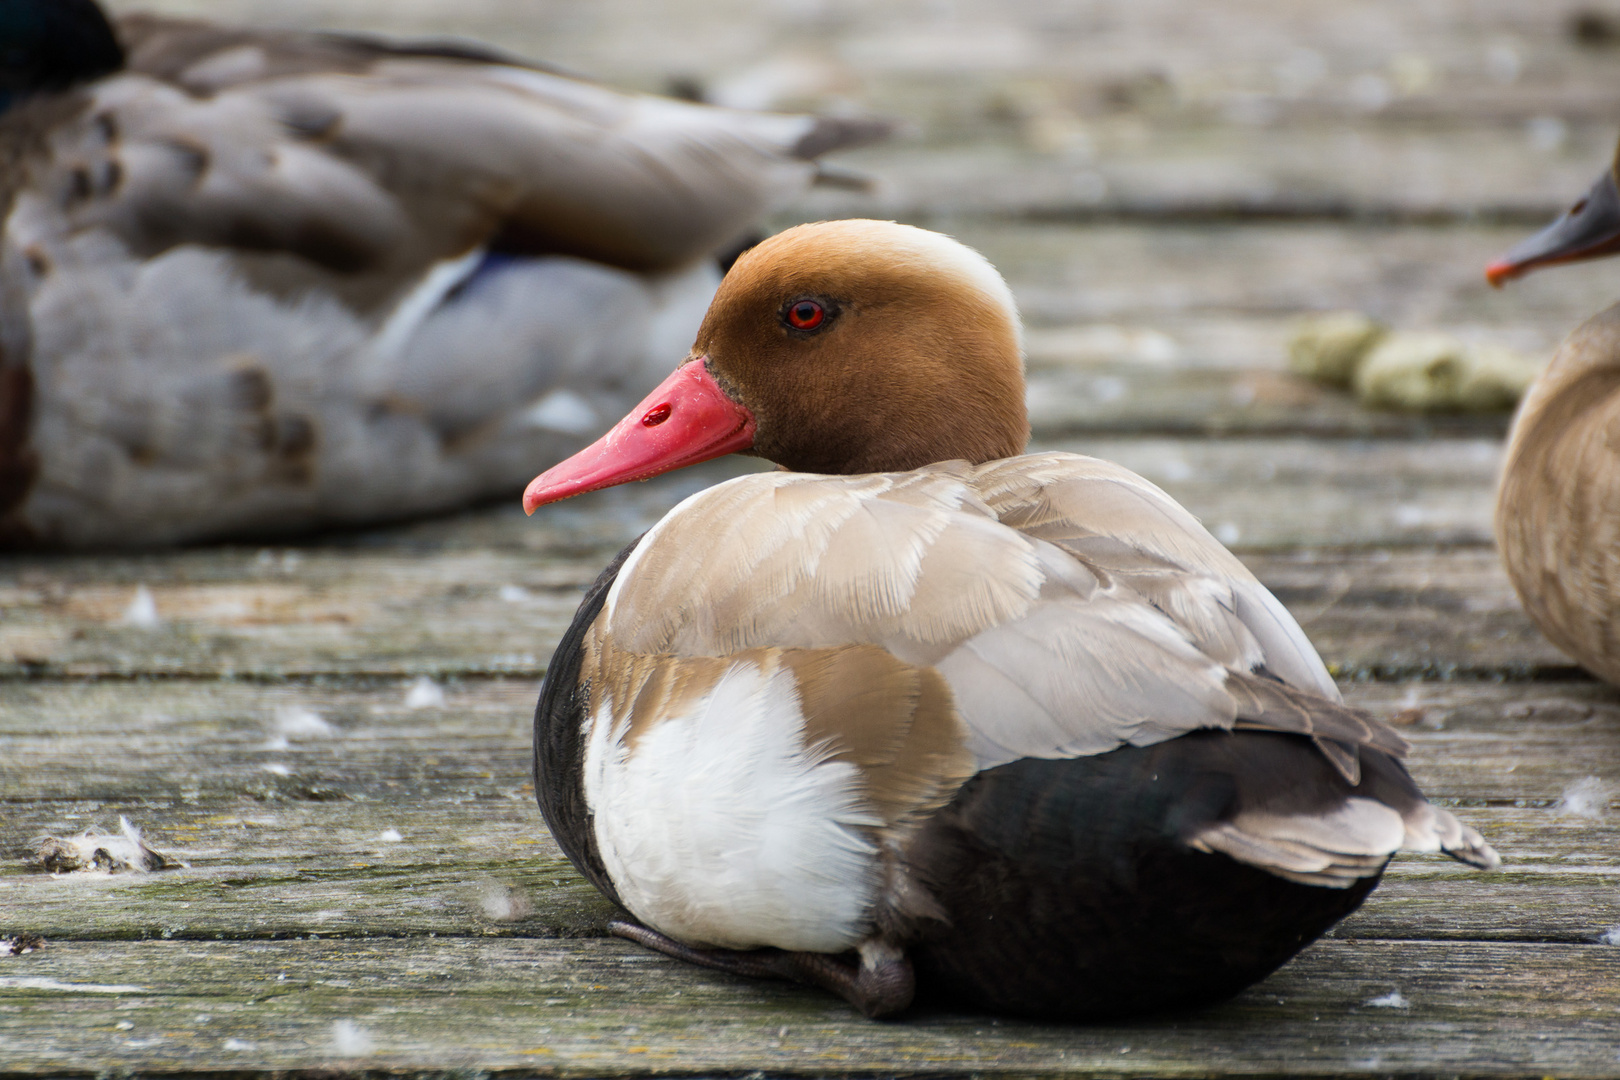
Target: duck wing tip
<point>1473,851</point>
<point>1433,829</point>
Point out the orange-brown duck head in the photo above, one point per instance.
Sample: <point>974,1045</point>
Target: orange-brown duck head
<point>839,347</point>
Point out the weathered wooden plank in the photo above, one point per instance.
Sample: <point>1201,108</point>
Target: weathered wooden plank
<point>1307,492</point>
<point>484,868</point>
<point>384,867</point>
<point>384,605</point>
<point>600,1007</point>
<point>1199,170</point>
<point>313,611</point>
<point>123,745</point>
<point>989,62</point>
<point>392,821</point>
<point>1036,37</point>
<point>486,893</point>
<point>1130,399</point>
<point>1488,744</point>
<point>1381,613</point>
<point>1398,614</point>
<point>184,743</point>
<point>1228,294</point>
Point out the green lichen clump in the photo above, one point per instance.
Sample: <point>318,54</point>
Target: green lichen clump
<point>1439,373</point>
<point>1329,348</point>
<point>1409,371</point>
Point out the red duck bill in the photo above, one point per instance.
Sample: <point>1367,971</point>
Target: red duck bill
<point>686,420</point>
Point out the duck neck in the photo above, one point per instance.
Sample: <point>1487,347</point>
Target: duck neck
<point>1591,347</point>
<point>870,414</point>
<point>896,432</point>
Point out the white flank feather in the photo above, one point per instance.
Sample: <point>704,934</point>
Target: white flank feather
<point>721,828</point>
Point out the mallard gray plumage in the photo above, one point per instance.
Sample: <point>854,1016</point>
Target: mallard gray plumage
<point>256,282</point>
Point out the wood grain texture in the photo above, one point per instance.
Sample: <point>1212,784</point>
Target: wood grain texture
<point>107,747</point>
<point>1174,294</point>
<point>474,869</point>
<point>1438,613</point>
<point>604,1007</point>
<point>311,847</point>
<point>1114,399</point>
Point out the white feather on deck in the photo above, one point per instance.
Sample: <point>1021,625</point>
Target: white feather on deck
<point>125,851</point>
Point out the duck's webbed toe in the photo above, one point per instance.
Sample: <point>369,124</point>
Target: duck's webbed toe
<point>880,984</point>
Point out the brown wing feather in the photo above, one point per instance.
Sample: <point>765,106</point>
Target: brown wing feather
<point>1266,704</point>
<point>360,155</point>
<point>896,722</point>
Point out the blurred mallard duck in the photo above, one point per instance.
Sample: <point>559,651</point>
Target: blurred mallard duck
<point>1558,506</point>
<point>257,282</point>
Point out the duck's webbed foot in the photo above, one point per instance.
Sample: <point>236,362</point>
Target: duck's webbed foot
<point>882,984</point>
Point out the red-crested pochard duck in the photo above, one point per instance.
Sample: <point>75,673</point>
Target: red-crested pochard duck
<point>920,714</point>
<point>259,282</point>
<point>1558,505</point>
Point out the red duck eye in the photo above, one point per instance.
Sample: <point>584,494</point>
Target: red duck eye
<point>806,315</point>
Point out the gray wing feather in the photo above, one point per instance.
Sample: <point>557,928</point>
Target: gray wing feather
<point>1052,648</point>
<point>1127,530</point>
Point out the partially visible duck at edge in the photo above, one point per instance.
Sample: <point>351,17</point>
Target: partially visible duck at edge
<point>921,717</point>
<point>257,282</point>
<point>1558,505</point>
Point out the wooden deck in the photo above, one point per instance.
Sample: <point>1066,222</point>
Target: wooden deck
<point>1167,186</point>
